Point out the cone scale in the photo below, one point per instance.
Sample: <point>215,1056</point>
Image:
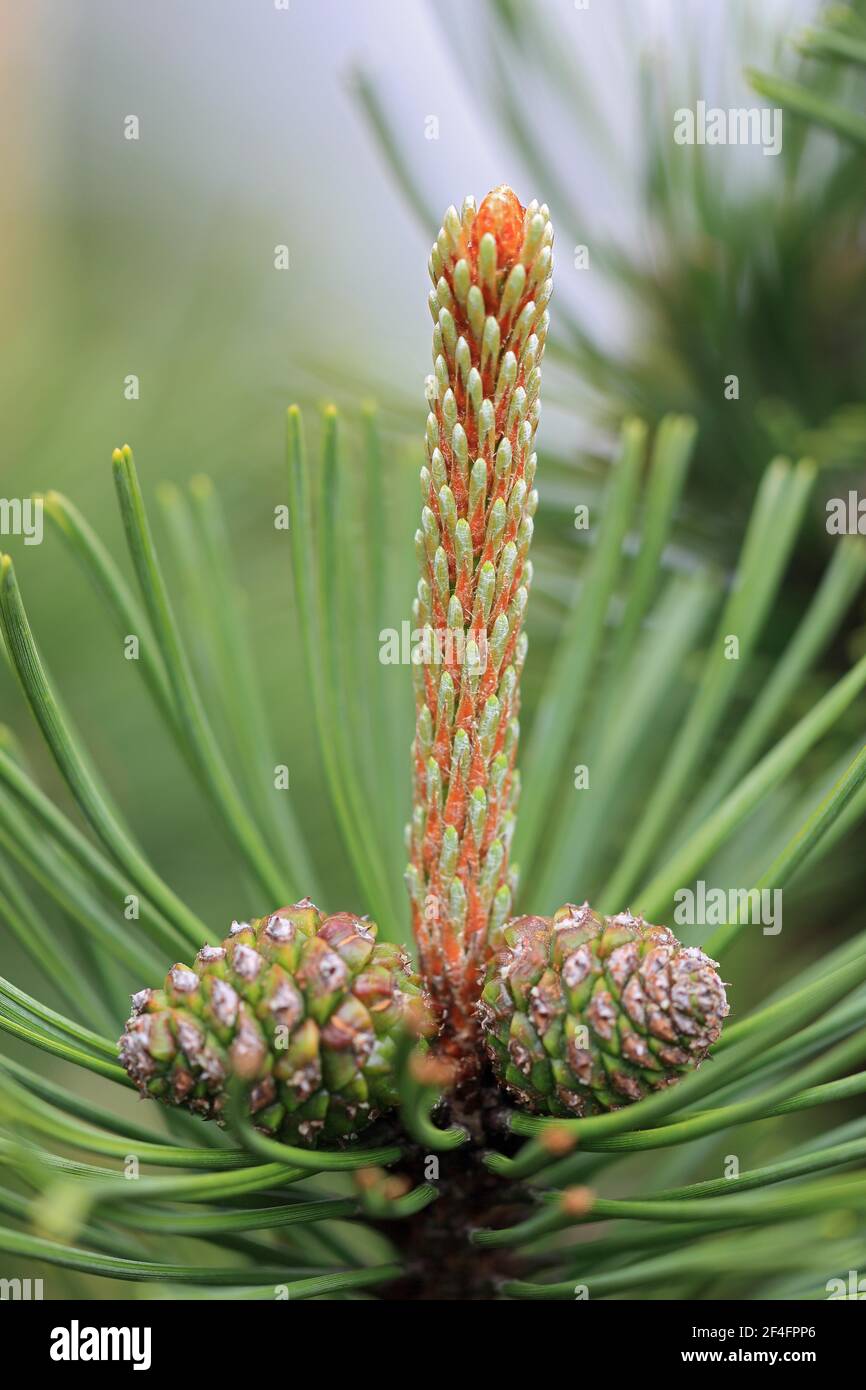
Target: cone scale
<point>491,273</point>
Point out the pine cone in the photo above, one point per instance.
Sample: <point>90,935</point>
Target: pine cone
<point>583,1013</point>
<point>491,273</point>
<point>305,1009</point>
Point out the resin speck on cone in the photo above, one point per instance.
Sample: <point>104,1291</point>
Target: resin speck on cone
<point>491,272</point>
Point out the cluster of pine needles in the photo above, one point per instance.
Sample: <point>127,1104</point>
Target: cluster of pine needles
<point>190,1210</point>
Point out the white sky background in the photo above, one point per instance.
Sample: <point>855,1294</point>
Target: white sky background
<point>251,104</point>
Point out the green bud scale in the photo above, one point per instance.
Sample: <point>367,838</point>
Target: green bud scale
<point>305,1011</point>
<point>583,1013</point>
<point>490,269</point>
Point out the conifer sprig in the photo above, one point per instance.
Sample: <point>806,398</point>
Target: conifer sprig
<point>491,272</point>
<point>618,1004</point>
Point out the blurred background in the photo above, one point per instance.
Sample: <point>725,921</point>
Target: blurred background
<point>342,132</point>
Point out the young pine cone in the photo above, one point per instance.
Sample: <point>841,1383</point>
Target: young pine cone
<point>583,1013</point>
<point>305,1009</point>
